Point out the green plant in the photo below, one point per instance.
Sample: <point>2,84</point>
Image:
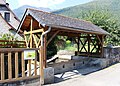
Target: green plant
<point>8,41</point>
<point>105,20</point>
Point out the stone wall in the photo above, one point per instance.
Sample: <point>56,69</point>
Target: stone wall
<point>112,53</point>
<point>69,65</point>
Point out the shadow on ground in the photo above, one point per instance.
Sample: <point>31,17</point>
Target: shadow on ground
<point>76,73</point>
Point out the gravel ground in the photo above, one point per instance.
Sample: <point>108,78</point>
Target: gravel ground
<point>107,77</point>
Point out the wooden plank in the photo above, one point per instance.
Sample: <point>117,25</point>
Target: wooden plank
<point>75,40</point>
<point>39,42</point>
<point>52,37</point>
<point>34,31</point>
<point>16,65</point>
<point>29,39</point>
<point>45,51</point>
<point>31,29</point>
<point>35,40</point>
<point>99,39</point>
<point>35,67</point>
<point>102,46</point>
<point>16,49</point>
<point>25,39</point>
<point>2,67</point>
<point>9,66</point>
<point>19,79</point>
<point>88,44</point>
<point>78,44</point>
<point>23,64</point>
<point>41,65</point>
<point>29,64</point>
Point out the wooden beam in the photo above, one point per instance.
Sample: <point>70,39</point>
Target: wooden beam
<point>88,44</point>
<point>45,52</point>
<point>39,42</point>
<point>99,39</point>
<point>102,45</point>
<point>35,31</point>
<point>31,28</point>
<point>19,79</point>
<point>52,37</point>
<point>29,67</point>
<point>94,46</point>
<point>78,44</point>
<point>3,50</point>
<point>9,66</point>
<point>35,66</point>
<point>83,45</point>
<point>25,39</point>
<point>41,65</point>
<point>23,64</point>
<point>75,40</point>
<point>2,67</point>
<point>35,41</point>
<point>16,65</point>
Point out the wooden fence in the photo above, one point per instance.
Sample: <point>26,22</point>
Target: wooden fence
<point>13,66</point>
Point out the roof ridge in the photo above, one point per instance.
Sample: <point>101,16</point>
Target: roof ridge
<point>59,15</point>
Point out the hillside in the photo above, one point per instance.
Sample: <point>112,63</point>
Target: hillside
<point>113,6</point>
<point>19,11</point>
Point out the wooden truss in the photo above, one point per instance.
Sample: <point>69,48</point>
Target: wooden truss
<point>90,45</point>
<point>32,38</point>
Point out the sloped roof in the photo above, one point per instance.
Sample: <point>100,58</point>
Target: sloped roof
<point>50,19</point>
<point>3,4</point>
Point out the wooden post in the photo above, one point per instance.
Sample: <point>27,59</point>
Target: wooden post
<point>2,67</point>
<point>45,51</point>
<point>31,45</point>
<point>23,64</point>
<point>9,66</point>
<point>41,65</point>
<point>102,46</point>
<point>16,65</point>
<point>89,44</point>
<point>31,28</point>
<point>35,67</point>
<point>78,44</point>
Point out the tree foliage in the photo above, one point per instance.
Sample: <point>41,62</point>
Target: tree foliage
<point>105,20</point>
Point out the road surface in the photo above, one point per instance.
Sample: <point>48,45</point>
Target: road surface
<point>107,77</point>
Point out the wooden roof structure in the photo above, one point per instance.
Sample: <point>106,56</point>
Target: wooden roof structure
<point>88,37</point>
<point>59,21</point>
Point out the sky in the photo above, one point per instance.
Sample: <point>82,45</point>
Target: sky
<point>52,4</point>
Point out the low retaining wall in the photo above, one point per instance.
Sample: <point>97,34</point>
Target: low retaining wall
<point>69,65</point>
<point>112,53</point>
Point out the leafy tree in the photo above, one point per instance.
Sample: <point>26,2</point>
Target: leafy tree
<point>105,20</point>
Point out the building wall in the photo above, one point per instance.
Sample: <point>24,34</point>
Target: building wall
<point>14,22</point>
<point>4,28</point>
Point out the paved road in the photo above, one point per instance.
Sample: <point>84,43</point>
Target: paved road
<point>106,77</point>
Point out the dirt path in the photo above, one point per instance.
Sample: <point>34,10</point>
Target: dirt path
<point>106,77</point>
